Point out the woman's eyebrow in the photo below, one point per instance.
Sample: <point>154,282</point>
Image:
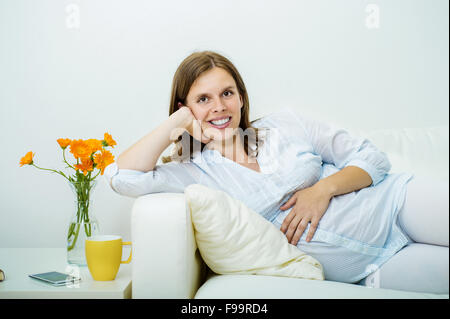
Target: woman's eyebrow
<point>227,88</point>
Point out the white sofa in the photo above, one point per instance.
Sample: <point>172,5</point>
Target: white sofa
<point>167,264</point>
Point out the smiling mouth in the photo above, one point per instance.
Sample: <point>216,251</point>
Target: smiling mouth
<point>221,123</point>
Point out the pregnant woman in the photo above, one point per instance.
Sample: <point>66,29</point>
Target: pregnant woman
<point>330,193</point>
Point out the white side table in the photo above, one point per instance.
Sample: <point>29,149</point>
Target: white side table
<point>18,263</point>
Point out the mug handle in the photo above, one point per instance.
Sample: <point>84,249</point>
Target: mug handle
<point>129,258</point>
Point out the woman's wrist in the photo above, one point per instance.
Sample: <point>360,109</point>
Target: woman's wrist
<point>180,122</point>
<point>183,117</point>
<point>326,187</point>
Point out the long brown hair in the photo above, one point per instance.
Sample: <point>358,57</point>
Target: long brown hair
<point>188,71</point>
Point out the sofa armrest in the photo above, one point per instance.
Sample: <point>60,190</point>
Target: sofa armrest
<point>166,262</point>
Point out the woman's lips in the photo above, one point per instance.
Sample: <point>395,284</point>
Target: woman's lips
<point>221,126</point>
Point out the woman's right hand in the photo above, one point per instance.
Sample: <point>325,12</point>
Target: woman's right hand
<point>192,125</point>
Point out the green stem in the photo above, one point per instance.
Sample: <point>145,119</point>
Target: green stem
<point>75,238</point>
<point>87,229</point>
<point>52,170</point>
<point>82,186</point>
<point>72,226</point>
<point>64,156</point>
<point>99,171</point>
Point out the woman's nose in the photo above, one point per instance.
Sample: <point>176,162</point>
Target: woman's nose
<point>218,106</point>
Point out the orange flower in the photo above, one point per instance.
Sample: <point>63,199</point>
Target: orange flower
<point>64,142</point>
<point>86,165</point>
<point>27,159</point>
<point>103,159</point>
<point>108,140</point>
<point>80,149</point>
<point>94,144</point>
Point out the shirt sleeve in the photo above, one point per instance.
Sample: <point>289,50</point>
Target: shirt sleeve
<point>336,146</point>
<point>171,177</point>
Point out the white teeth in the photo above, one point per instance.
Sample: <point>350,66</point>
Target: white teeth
<point>220,122</point>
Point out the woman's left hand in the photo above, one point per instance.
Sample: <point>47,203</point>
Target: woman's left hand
<point>310,205</point>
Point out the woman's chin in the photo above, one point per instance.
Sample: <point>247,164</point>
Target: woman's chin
<point>221,135</point>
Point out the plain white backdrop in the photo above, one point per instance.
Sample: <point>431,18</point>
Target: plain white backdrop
<point>77,69</point>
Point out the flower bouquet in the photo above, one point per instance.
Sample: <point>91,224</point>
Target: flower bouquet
<point>90,155</point>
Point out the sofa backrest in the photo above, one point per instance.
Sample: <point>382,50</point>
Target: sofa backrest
<point>422,151</point>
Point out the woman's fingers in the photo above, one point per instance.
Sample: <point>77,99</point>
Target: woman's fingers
<point>289,203</point>
<point>299,231</point>
<point>195,128</point>
<point>198,132</point>
<point>292,227</point>
<point>312,229</point>
<point>287,221</point>
<point>205,135</point>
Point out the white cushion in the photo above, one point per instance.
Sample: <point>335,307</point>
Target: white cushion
<point>233,239</point>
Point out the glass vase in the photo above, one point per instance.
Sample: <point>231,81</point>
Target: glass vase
<point>83,223</point>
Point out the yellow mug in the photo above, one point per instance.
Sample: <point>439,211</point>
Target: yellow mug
<point>104,256</point>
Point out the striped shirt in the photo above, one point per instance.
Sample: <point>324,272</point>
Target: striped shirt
<point>359,230</point>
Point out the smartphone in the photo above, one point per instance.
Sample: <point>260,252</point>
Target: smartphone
<point>56,278</point>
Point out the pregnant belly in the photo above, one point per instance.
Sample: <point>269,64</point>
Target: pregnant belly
<point>354,216</point>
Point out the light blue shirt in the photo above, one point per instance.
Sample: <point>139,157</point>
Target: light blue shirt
<point>359,230</point>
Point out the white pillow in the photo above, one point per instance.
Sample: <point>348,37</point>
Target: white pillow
<point>233,239</point>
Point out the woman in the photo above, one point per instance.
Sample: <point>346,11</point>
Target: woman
<point>329,192</point>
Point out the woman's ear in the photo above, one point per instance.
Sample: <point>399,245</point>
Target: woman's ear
<point>179,104</point>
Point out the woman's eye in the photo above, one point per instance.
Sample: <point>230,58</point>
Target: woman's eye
<point>203,98</point>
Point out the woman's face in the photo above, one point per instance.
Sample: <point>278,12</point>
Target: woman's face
<point>214,96</point>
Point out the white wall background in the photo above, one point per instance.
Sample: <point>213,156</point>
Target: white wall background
<point>113,74</point>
